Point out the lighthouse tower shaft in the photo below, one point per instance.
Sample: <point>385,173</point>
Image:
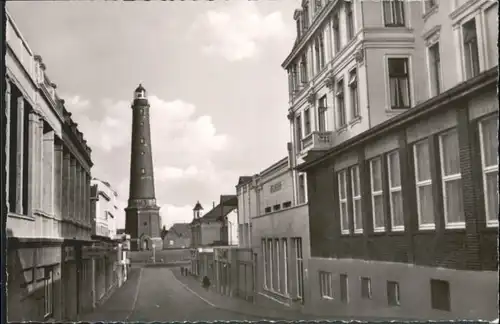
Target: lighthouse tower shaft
<point>142,213</point>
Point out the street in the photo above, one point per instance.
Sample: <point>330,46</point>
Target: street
<point>154,294</point>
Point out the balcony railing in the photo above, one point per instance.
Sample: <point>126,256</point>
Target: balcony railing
<point>317,141</point>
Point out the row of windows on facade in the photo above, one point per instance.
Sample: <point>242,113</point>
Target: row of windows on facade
<point>319,49</point>
<point>276,265</point>
<point>394,16</point>
<point>451,183</point>
<point>288,204</point>
<point>399,85</point>
<point>22,163</point>
<point>440,290</point>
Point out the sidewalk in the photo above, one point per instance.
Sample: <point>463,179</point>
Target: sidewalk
<point>240,306</point>
<point>272,311</point>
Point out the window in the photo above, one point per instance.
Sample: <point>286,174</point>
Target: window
<point>325,285</point>
<point>349,20</point>
<point>298,133</point>
<point>303,69</point>
<point>393,293</point>
<point>395,193</point>
<point>344,288</point>
<point>336,33</point>
<point>265,259</point>
<point>435,69</point>
<point>452,179</point>
<point>142,140</point>
<point>276,207</point>
<point>302,189</point>
<point>423,180</point>
<point>49,300</point>
<point>344,217</point>
<point>267,209</point>
<point>319,48</point>
<point>341,120</point>
<point>285,267</point>
<point>353,89</point>
<point>276,265</point>
<point>377,195</point>
<point>317,6</point>
<point>287,204</point>
<point>488,130</point>
<point>295,77</point>
<point>299,271</point>
<point>299,29</point>
<point>305,17</point>
<point>307,121</point>
<point>270,263</point>
<point>399,83</point>
<point>394,14</point>
<point>471,51</point>
<point>18,155</point>
<point>440,295</point>
<point>322,106</point>
<point>356,200</point>
<point>366,288</point>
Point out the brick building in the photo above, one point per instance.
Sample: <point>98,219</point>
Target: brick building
<point>400,154</point>
<point>177,236</point>
<point>48,188</point>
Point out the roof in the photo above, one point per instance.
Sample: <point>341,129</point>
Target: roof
<point>180,229</point>
<point>229,200</point>
<point>198,206</point>
<point>140,88</point>
<point>227,205</point>
<point>244,180</point>
<point>442,101</point>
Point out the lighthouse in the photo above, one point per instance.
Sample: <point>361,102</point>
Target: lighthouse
<point>142,215</point>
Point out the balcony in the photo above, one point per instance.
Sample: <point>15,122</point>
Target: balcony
<point>317,141</point>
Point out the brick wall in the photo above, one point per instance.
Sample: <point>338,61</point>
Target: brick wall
<point>472,248</point>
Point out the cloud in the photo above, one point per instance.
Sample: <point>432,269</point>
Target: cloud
<point>184,146</point>
<point>76,103</point>
<point>236,30</point>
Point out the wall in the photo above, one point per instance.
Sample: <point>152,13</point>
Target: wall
<point>440,253</point>
<point>210,232</point>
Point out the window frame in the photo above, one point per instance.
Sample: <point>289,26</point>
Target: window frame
<point>271,261</point>
<point>349,16</point>
<point>369,287</point>
<point>394,22</point>
<point>299,265</point>
<point>304,185</point>
<point>357,230</point>
<point>337,41</point>
<point>394,228</point>
<point>354,93</point>
<point>373,194</point>
<point>326,285</point>
<point>485,170</point>
<point>285,264</point>
<point>48,291</point>
<point>322,118</point>
<point>344,299</point>
<point>408,75</point>
<point>299,132</point>
<point>307,122</point>
<point>434,70</point>
<point>449,178</point>
<point>342,180</point>
<point>340,109</point>
<point>397,295</point>
<point>463,47</point>
<point>419,184</point>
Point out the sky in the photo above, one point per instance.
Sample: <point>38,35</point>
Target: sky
<point>218,93</point>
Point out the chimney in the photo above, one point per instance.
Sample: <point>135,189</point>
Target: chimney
<point>213,204</point>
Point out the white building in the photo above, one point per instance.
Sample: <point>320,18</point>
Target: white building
<point>104,208</point>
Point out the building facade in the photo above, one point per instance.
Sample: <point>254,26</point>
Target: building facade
<point>398,149</point>
<point>177,237</point>
<point>48,167</point>
<point>104,209</point>
<point>279,234</point>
